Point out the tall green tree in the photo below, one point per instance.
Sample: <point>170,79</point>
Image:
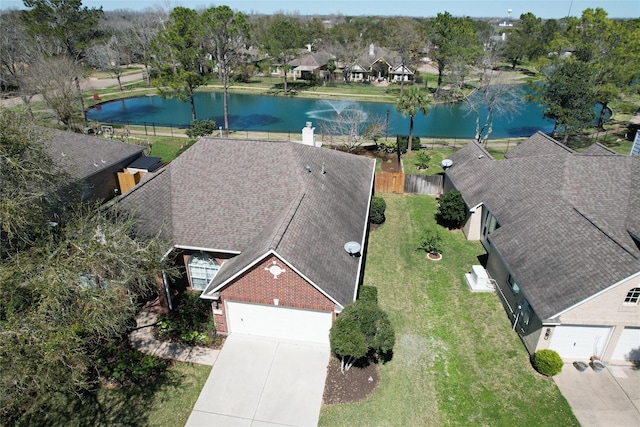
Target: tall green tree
<point>607,47</point>
<point>70,26</point>
<point>456,44</point>
<point>283,39</point>
<point>28,202</point>
<point>226,34</point>
<point>178,53</point>
<point>567,96</point>
<point>63,300</point>
<point>412,101</point>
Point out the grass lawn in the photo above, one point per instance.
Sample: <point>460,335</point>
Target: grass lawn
<point>164,402</point>
<point>456,360</point>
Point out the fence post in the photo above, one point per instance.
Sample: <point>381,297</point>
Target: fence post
<point>154,128</point>
<point>145,129</point>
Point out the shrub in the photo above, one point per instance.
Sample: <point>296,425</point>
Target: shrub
<point>547,362</point>
<point>431,242</point>
<point>403,140</point>
<point>452,208</point>
<point>369,294</point>
<point>127,366</point>
<point>422,159</point>
<point>201,128</point>
<point>378,208</point>
<point>190,322</point>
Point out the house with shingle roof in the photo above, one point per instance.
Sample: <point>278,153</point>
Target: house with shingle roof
<point>562,235</point>
<point>260,229</point>
<point>91,160</point>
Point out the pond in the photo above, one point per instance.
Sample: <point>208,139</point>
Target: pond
<point>286,114</point>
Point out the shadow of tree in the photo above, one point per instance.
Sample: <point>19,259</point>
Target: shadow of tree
<point>105,406</point>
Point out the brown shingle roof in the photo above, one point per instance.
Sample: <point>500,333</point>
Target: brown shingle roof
<point>565,218</point>
<point>256,197</point>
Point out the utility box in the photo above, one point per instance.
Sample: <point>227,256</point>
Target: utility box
<point>478,279</point>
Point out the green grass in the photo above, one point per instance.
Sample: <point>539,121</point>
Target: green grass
<point>456,360</point>
<point>166,401</point>
<point>167,148</point>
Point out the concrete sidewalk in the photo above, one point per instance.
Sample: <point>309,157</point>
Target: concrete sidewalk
<point>598,399</point>
<point>142,340</point>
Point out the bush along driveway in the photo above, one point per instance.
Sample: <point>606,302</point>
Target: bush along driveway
<point>456,360</point>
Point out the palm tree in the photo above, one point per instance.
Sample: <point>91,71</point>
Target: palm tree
<point>410,102</point>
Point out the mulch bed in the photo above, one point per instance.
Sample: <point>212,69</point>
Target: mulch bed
<point>354,385</point>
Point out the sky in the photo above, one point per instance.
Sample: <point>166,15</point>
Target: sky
<point>419,8</point>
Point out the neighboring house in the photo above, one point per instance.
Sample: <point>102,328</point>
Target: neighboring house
<point>379,65</point>
<point>94,161</point>
<point>260,229</point>
<point>311,64</point>
<point>562,234</point>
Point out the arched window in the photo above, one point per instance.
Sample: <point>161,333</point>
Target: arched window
<point>202,268</point>
<point>633,296</point>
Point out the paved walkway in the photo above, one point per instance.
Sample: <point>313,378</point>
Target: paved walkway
<point>142,340</point>
<point>602,399</point>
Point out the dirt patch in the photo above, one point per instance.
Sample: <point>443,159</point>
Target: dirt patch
<point>389,163</point>
<point>354,385</point>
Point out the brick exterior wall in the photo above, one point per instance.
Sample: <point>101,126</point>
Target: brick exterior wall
<point>259,286</point>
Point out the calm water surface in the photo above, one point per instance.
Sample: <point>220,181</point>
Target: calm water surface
<point>283,114</point>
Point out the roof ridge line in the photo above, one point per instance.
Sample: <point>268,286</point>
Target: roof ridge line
<point>602,230</point>
<point>286,221</point>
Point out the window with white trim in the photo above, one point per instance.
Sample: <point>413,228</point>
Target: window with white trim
<point>633,296</point>
<point>202,268</point>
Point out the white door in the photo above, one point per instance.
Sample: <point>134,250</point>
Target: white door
<point>279,322</point>
<point>628,347</point>
<point>580,342</point>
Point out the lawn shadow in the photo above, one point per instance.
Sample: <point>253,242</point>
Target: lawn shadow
<point>107,405</point>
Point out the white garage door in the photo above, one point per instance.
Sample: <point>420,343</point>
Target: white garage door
<point>279,322</point>
<point>628,347</point>
<point>580,342</point>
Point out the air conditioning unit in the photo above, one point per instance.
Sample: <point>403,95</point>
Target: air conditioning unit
<point>478,279</point>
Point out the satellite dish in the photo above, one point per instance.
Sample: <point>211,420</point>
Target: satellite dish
<point>352,248</point>
<point>446,163</point>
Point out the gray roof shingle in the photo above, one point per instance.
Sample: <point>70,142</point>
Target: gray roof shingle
<point>83,155</point>
<point>256,197</point>
<point>565,218</point>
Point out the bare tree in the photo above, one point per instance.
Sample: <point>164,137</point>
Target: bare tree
<point>352,127</point>
<point>142,28</point>
<point>225,36</point>
<point>55,79</point>
<point>110,56</point>
<point>16,53</point>
<point>493,97</point>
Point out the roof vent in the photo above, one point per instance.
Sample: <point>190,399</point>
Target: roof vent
<point>308,168</point>
<point>323,169</point>
<point>352,248</point>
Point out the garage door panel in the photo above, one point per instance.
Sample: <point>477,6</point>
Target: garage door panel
<point>628,346</point>
<point>580,342</point>
<point>279,322</point>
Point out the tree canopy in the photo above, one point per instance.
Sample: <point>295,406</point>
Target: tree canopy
<point>362,328</point>
<point>412,101</point>
<point>179,54</point>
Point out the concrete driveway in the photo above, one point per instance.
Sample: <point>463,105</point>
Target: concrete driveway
<point>260,381</point>
<point>602,399</point>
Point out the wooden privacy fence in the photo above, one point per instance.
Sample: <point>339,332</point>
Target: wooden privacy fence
<point>400,183</point>
<point>387,182</point>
